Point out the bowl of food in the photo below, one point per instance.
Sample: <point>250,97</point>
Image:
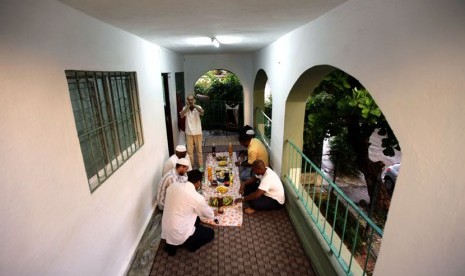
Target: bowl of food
<point>227,201</point>
<point>221,158</point>
<point>220,175</point>
<point>222,189</point>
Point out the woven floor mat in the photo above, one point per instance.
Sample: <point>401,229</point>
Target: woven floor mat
<point>266,244</point>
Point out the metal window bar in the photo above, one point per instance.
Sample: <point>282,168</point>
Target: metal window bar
<point>109,134</point>
<point>109,130</point>
<point>114,124</point>
<point>90,79</point>
<point>130,137</point>
<point>84,134</point>
<point>136,108</point>
<point>346,216</point>
<point>118,128</point>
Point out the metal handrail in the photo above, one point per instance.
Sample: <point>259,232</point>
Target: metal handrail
<point>326,221</point>
<point>267,122</point>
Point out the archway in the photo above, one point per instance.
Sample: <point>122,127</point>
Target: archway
<point>339,108</point>
<point>262,107</point>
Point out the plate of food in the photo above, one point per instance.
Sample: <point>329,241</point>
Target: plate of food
<point>227,201</point>
<point>221,158</point>
<point>222,163</point>
<point>220,175</point>
<point>222,189</point>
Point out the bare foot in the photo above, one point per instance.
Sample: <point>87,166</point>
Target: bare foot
<point>249,211</point>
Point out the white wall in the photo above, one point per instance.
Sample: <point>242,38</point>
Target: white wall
<point>171,63</point>
<point>239,64</point>
<point>410,56</point>
<point>50,222</point>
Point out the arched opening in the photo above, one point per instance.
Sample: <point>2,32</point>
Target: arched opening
<point>263,107</point>
<point>220,93</point>
<point>332,119</point>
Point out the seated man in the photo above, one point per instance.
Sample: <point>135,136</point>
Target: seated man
<point>180,152</point>
<point>180,223</point>
<point>268,195</point>
<point>255,151</point>
<point>178,174</point>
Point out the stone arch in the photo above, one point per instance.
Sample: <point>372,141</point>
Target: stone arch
<point>295,105</point>
<point>259,89</point>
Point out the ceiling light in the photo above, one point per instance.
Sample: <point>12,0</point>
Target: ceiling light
<point>215,42</point>
<point>229,39</point>
<point>199,41</point>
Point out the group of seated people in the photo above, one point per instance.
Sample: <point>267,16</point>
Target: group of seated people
<point>183,206</point>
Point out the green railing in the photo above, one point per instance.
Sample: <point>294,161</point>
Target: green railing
<point>352,237</point>
<point>263,127</point>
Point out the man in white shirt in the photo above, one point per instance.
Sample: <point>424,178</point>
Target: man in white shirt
<point>192,112</point>
<point>178,174</point>
<point>183,207</point>
<point>268,195</point>
<point>180,152</point>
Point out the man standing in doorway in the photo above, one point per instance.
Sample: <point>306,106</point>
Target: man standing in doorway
<point>192,112</point>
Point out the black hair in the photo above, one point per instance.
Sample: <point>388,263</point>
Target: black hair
<point>194,176</point>
<point>243,130</point>
<point>244,138</point>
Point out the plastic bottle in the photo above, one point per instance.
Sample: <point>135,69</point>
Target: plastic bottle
<point>213,150</point>
<point>209,173</point>
<point>230,150</point>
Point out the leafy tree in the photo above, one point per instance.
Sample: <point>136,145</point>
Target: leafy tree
<point>221,86</point>
<point>341,108</point>
<point>268,106</point>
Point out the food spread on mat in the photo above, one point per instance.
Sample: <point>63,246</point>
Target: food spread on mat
<point>227,200</point>
<point>222,189</point>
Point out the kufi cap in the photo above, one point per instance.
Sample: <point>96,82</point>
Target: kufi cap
<point>250,132</point>
<point>183,161</point>
<point>181,148</point>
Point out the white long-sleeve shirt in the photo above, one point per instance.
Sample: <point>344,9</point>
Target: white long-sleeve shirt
<point>182,206</point>
<point>168,178</point>
<point>171,163</point>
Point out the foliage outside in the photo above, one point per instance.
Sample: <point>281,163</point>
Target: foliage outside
<point>268,106</point>
<point>214,89</point>
<point>220,85</point>
<point>340,108</point>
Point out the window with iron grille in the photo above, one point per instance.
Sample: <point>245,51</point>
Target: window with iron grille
<point>107,117</point>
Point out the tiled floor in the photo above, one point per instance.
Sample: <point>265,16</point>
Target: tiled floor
<point>266,244</point>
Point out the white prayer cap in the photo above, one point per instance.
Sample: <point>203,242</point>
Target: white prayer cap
<point>250,132</point>
<point>181,148</point>
<point>183,161</point>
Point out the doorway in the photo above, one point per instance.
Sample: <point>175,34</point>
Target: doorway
<point>166,101</point>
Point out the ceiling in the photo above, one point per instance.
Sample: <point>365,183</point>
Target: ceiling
<point>172,23</point>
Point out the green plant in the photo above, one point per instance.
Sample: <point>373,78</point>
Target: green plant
<point>341,108</point>
<point>221,86</point>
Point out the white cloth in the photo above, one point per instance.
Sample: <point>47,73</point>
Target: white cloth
<point>182,206</point>
<point>171,163</point>
<point>169,178</point>
<point>193,123</point>
<point>272,185</point>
